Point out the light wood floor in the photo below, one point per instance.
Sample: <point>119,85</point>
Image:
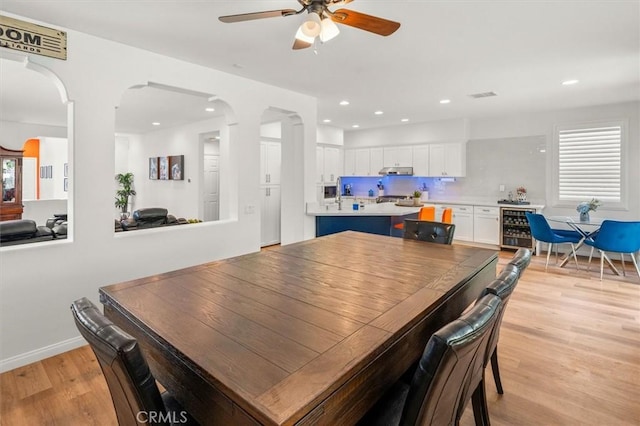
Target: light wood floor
<point>569,354</point>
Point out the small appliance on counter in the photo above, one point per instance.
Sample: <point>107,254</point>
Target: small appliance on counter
<point>347,190</point>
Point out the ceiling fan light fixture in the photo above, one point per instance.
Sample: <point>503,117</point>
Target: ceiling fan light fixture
<point>329,29</point>
<point>312,26</point>
<point>300,35</point>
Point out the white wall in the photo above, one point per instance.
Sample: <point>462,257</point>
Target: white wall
<point>330,135</point>
<point>54,153</point>
<point>180,197</point>
<point>34,306</point>
<point>12,133</point>
<point>409,134</point>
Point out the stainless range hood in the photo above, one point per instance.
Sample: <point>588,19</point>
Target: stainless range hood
<point>396,171</point>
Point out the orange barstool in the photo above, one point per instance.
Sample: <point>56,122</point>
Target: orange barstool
<point>447,215</point>
<point>425,213</point>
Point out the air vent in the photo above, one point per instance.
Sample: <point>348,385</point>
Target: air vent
<point>483,95</point>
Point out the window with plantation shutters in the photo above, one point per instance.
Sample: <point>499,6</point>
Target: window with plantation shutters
<point>590,163</point>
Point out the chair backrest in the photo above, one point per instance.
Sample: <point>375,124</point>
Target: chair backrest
<point>131,384</point>
<point>451,367</point>
<point>433,232</point>
<point>427,213</point>
<point>618,236</point>
<point>447,215</point>
<point>521,260</point>
<point>540,228</point>
<point>503,287</point>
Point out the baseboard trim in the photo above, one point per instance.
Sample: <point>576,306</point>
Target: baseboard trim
<point>41,353</point>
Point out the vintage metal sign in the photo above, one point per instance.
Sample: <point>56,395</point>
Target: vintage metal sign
<point>32,38</point>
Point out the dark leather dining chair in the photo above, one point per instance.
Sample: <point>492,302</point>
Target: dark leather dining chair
<point>520,261</point>
<point>449,374</point>
<point>502,286</point>
<point>541,231</point>
<point>617,237</point>
<point>133,389</point>
<point>433,232</point>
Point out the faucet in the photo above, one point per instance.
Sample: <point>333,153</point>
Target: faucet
<point>339,193</point>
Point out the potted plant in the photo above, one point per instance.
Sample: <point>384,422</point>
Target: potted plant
<point>416,197</point>
<point>125,180</point>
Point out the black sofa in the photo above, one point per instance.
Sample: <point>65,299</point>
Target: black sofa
<point>23,231</point>
<point>151,217</point>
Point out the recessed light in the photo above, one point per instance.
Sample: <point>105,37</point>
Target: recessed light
<point>155,123</point>
<point>404,120</point>
<point>445,101</point>
<point>569,82</point>
<point>378,113</point>
<point>209,109</point>
<point>355,126</point>
<point>326,120</point>
<point>344,102</point>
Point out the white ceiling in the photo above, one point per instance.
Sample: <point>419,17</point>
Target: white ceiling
<point>522,50</point>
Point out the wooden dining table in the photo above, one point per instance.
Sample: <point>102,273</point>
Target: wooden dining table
<point>308,333</point>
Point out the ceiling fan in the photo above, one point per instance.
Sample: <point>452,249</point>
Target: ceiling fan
<point>321,21</point>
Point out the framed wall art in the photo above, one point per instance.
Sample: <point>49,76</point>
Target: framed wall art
<point>163,168</point>
<point>176,164</point>
<point>153,168</point>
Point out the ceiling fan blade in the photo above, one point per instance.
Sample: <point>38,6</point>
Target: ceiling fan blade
<point>373,24</point>
<point>256,15</point>
<point>300,44</point>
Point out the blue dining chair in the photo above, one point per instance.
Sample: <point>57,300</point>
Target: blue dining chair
<point>541,231</point>
<point>617,237</point>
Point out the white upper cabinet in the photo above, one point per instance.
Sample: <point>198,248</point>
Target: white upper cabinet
<point>349,162</point>
<point>447,159</point>
<point>362,162</point>
<point>328,166</point>
<point>332,167</point>
<point>270,158</point>
<point>319,164</point>
<point>421,160</point>
<point>376,161</point>
<point>398,156</point>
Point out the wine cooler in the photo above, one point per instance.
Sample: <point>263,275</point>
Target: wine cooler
<point>514,228</point>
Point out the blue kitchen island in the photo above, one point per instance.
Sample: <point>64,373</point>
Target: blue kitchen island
<point>373,219</point>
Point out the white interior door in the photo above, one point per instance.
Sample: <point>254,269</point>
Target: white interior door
<point>211,187</point>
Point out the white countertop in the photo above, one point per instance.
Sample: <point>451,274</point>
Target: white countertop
<point>390,209</point>
<point>382,209</point>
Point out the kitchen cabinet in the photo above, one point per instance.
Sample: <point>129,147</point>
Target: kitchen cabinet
<point>376,161</point>
<point>463,219</point>
<point>363,161</point>
<point>398,156</point>
<point>486,225</point>
<point>421,160</point>
<point>349,162</point>
<point>447,159</point>
<point>270,215</point>
<point>332,167</point>
<point>270,159</point>
<point>327,164</point>
<point>319,164</point>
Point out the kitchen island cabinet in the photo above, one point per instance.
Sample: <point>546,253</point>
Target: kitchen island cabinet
<point>373,219</point>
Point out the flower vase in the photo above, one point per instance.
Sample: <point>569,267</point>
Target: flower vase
<point>584,216</point>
